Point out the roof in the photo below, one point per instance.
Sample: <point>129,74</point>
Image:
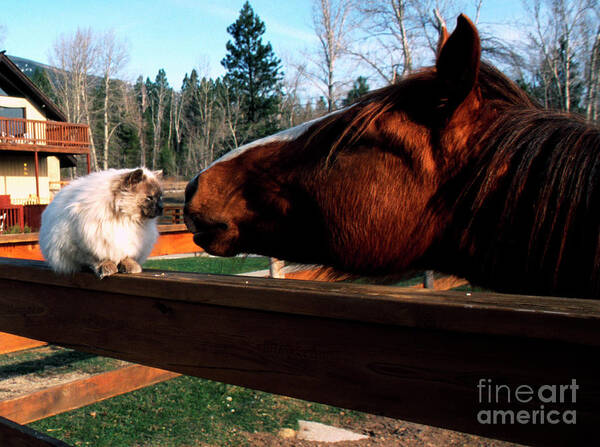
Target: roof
<point>15,80</point>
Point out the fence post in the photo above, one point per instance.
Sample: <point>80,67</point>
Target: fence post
<point>428,279</point>
<point>276,268</point>
<point>37,175</point>
<point>21,219</point>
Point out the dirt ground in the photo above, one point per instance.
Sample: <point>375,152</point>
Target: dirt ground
<point>386,432</point>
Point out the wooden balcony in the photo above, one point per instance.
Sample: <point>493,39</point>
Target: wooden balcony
<point>43,136</point>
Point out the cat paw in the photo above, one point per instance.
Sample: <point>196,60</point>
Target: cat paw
<point>129,265</point>
<point>105,268</point>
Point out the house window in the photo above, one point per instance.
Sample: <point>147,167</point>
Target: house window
<point>12,112</point>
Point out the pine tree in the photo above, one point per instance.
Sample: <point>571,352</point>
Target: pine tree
<point>159,95</point>
<point>40,79</point>
<point>359,88</point>
<point>253,72</point>
<point>549,87</point>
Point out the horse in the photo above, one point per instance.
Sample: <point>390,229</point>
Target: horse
<point>453,168</point>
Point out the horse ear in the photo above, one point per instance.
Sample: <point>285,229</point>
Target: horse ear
<point>458,60</point>
<point>442,39</point>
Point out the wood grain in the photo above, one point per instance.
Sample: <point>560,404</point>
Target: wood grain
<point>173,239</point>
<point>560,319</point>
<point>408,354</point>
<point>49,149</point>
<point>76,394</point>
<point>13,343</point>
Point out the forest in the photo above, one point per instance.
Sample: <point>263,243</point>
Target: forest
<point>553,53</point>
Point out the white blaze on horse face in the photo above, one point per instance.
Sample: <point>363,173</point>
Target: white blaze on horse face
<point>285,135</point>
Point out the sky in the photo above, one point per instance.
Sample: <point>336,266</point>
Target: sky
<point>177,35</point>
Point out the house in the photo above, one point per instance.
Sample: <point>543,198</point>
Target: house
<point>35,139</point>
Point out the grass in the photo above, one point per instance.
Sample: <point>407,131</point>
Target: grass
<point>16,229</point>
<point>205,264</point>
<point>185,411</point>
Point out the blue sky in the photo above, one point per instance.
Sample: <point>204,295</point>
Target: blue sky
<point>176,35</point>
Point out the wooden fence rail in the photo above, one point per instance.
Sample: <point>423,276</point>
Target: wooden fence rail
<point>52,133</point>
<point>76,394</point>
<point>172,215</point>
<point>423,356</point>
<point>173,239</point>
<point>11,216</point>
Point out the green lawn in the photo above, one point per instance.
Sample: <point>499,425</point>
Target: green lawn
<point>184,412</point>
<point>205,264</point>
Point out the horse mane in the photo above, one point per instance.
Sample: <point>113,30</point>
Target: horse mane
<point>516,147</point>
<point>538,170</point>
<point>354,121</point>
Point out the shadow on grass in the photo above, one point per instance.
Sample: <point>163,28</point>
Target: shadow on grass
<point>60,359</point>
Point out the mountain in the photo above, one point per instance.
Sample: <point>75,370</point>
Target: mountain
<point>27,66</point>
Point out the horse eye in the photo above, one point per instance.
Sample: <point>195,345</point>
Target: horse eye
<point>149,197</point>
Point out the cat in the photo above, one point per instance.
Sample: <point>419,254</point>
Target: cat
<point>105,221</point>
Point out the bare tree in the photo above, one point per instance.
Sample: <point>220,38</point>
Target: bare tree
<point>387,24</point>
<point>557,35</point>
<point>232,115</point>
<point>593,79</point>
<point>74,58</point>
<point>401,34</point>
<point>207,107</point>
<point>113,56</point>
<point>291,111</point>
<point>330,21</point>
<point>157,104</point>
<point>141,111</point>
<point>178,102</point>
<point>429,16</point>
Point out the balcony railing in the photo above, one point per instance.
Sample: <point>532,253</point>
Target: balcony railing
<point>44,133</point>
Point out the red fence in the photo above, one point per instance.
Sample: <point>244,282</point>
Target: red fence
<point>172,215</point>
<point>32,215</point>
<point>11,216</point>
<point>21,216</point>
<point>51,133</point>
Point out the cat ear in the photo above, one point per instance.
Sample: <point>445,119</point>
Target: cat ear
<point>158,174</point>
<point>132,178</point>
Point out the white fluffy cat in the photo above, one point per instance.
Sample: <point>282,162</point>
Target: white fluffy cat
<point>105,221</point>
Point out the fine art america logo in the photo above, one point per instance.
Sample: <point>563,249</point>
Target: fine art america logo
<point>526,404</point>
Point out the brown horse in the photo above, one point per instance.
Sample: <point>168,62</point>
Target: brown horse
<point>454,169</point>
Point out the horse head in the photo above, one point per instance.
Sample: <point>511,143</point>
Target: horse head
<point>436,171</point>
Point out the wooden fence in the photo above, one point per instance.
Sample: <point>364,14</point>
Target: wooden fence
<point>31,215</point>
<point>172,215</point>
<point>412,354</point>
<point>173,239</point>
<point>11,216</point>
<point>18,131</point>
